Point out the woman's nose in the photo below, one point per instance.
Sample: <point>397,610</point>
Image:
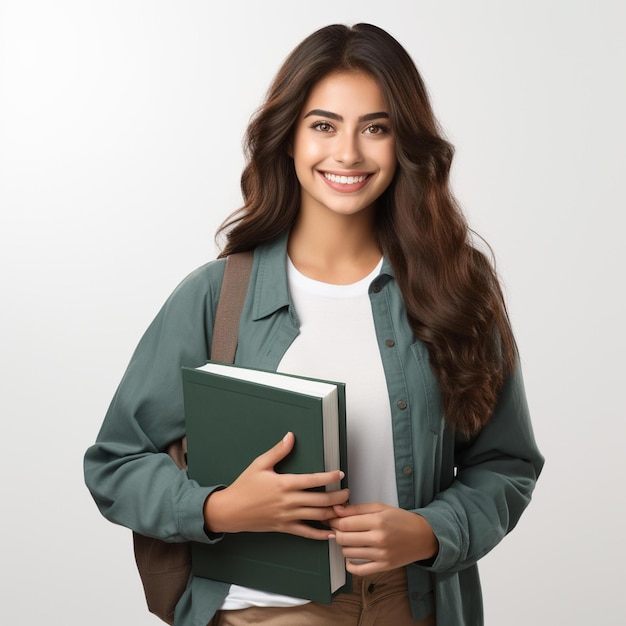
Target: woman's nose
<point>348,149</point>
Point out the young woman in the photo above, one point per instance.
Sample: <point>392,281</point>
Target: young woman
<point>363,272</point>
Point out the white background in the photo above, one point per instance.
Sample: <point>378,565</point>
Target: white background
<point>120,153</point>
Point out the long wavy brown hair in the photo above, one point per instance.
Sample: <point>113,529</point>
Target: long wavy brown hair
<point>453,299</point>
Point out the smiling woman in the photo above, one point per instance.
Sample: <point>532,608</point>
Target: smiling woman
<point>363,272</point>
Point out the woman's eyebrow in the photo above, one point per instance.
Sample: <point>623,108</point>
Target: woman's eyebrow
<point>334,116</point>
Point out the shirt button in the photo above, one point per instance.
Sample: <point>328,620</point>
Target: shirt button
<point>416,595</point>
<point>407,470</point>
<point>401,404</point>
<point>390,343</point>
<point>376,288</point>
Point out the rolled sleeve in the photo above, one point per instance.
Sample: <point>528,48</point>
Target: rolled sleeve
<point>191,517</point>
<point>496,474</point>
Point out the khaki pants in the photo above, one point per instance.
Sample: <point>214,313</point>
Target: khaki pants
<point>379,599</point>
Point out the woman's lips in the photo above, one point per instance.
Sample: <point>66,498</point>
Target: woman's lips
<point>345,183</point>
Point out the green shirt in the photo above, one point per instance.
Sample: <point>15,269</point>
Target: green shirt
<point>472,494</point>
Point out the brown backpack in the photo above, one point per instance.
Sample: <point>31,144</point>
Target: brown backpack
<point>165,567</point>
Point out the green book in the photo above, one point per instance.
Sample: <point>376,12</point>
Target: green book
<point>233,415</point>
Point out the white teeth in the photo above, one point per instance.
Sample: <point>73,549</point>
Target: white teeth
<point>345,180</point>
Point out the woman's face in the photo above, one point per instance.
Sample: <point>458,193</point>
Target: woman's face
<point>343,149</point>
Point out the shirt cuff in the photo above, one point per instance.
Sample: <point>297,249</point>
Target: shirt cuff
<point>191,515</point>
<point>449,536</point>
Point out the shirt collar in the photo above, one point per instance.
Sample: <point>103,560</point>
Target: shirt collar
<point>271,285</point>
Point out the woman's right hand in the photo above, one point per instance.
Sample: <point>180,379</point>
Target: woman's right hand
<point>262,500</point>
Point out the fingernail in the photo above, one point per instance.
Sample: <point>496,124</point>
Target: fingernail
<point>341,474</point>
<point>286,437</point>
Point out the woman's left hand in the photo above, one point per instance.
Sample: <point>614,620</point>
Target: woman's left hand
<point>384,536</point>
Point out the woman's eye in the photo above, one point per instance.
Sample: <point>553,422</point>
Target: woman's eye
<point>323,127</point>
<point>377,129</point>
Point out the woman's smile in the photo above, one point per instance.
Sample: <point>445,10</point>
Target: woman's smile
<point>346,182</point>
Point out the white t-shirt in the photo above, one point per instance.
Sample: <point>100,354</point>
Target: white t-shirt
<point>337,341</point>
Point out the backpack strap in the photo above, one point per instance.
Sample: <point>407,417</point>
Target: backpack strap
<point>225,326</point>
<point>232,297</point>
<point>164,567</point>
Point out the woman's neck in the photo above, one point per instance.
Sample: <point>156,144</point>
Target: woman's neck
<point>338,249</point>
